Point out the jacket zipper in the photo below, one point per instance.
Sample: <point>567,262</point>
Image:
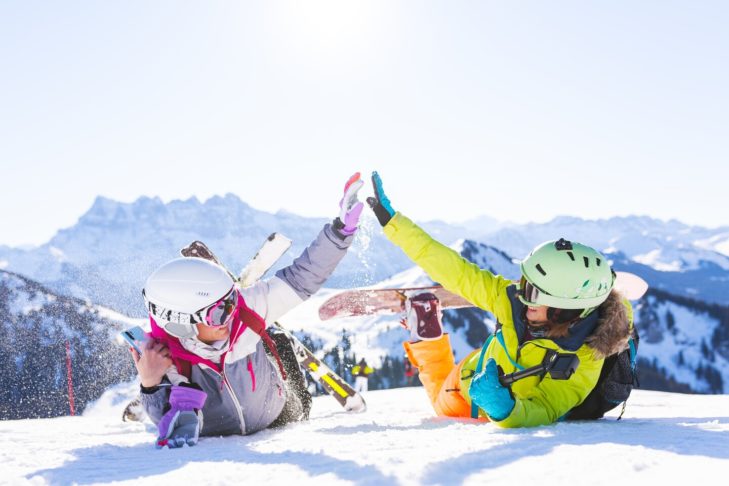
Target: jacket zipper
<point>238,408</point>
<point>224,384</point>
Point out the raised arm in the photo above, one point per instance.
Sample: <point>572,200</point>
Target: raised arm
<point>304,277</point>
<point>443,264</point>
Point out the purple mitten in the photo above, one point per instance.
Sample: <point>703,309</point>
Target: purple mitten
<point>180,425</point>
<point>350,207</point>
<point>351,219</point>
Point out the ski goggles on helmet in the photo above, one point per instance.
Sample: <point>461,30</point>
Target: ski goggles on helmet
<point>181,324</point>
<point>221,312</point>
<point>529,293</point>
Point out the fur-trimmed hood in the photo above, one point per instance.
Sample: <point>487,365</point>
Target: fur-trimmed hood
<point>613,328</point>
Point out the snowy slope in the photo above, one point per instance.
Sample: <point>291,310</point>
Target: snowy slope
<point>663,439</point>
<point>684,341</point>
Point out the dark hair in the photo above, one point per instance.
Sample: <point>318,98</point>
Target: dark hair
<point>561,320</point>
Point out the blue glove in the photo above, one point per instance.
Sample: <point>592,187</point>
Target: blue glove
<point>490,395</point>
<point>380,204</point>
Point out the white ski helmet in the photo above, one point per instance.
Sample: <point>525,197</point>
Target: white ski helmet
<point>176,292</point>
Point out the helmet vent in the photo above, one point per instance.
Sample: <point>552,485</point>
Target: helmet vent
<point>572,255</point>
<point>587,262</point>
<point>541,270</point>
<point>598,261</point>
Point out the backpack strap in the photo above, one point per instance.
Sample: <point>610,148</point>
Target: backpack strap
<point>500,338</point>
<point>184,368</point>
<point>479,367</point>
<point>272,346</point>
<point>256,324</point>
<point>633,353</point>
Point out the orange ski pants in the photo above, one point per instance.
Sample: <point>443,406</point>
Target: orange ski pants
<point>440,375</point>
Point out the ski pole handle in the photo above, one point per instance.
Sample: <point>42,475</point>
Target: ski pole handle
<point>560,366</point>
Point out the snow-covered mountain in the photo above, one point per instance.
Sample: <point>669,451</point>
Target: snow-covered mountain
<point>663,245</point>
<point>663,438</point>
<point>672,256</point>
<point>35,327</point>
<point>106,256</point>
<point>684,344</point>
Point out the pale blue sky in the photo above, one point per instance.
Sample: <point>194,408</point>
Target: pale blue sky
<point>518,110</point>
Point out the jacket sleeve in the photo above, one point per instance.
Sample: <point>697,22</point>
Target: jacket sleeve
<point>445,265</point>
<point>294,284</point>
<point>155,403</point>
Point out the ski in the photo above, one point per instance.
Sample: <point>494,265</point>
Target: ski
<point>383,301</point>
<point>333,384</point>
<point>271,250</point>
<point>364,302</point>
<point>198,249</point>
<point>630,285</point>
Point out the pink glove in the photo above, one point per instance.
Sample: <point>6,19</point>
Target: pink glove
<point>350,207</point>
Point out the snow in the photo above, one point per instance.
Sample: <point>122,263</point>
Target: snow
<point>33,303</point>
<point>58,254</point>
<point>718,243</point>
<point>124,321</point>
<point>662,436</point>
<point>653,259</point>
<point>685,338</point>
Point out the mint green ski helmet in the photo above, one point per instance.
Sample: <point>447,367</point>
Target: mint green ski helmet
<point>565,275</point>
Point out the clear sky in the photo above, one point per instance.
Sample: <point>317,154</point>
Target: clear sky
<point>517,110</point>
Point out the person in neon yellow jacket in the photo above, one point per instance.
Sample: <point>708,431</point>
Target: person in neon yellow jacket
<point>565,302</point>
<point>361,373</point>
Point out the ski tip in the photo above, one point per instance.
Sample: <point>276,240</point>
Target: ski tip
<point>630,285</point>
<point>355,404</point>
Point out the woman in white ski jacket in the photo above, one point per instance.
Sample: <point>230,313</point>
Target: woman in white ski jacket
<point>206,371</point>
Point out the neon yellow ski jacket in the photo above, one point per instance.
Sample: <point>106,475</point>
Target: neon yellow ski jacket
<point>539,400</point>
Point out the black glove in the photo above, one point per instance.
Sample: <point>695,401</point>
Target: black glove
<point>380,204</point>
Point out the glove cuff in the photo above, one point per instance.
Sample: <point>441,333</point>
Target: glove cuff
<point>187,396</point>
<point>382,214</point>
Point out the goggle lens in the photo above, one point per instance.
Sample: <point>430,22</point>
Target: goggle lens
<point>219,314</point>
<point>529,292</point>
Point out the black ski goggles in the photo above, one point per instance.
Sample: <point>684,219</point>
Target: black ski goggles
<point>529,292</point>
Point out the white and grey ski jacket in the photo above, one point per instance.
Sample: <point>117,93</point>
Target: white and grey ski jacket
<point>248,393</point>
